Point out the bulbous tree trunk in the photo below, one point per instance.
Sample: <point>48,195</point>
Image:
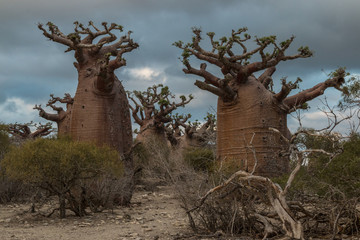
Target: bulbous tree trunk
<point>99,116</point>
<point>243,132</point>
<point>151,135</point>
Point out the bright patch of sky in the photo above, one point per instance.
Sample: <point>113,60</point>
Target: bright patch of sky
<point>17,110</point>
<point>146,73</point>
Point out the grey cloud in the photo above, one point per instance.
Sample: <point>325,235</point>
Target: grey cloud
<point>32,67</point>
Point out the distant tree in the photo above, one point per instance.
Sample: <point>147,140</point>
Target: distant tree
<point>59,166</point>
<point>247,104</point>
<point>23,131</point>
<point>151,109</point>
<point>183,133</point>
<point>61,117</point>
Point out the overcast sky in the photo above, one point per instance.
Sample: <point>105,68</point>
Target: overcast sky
<point>31,67</point>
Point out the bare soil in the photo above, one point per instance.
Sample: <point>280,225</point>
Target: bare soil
<point>152,215</point>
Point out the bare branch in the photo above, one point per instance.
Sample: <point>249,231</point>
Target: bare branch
<point>297,100</point>
<point>236,67</point>
<point>144,108</point>
<point>286,89</point>
<point>23,131</point>
<point>47,116</point>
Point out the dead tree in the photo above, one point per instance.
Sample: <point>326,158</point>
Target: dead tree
<point>62,117</point>
<point>247,104</point>
<point>282,216</point>
<point>100,112</point>
<point>23,131</point>
<point>183,133</point>
<point>151,109</point>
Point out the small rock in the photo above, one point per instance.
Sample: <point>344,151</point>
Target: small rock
<point>219,233</point>
<point>127,217</point>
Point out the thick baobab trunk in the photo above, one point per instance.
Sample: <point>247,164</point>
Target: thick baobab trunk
<point>104,118</point>
<point>151,136</point>
<point>186,141</point>
<point>243,133</point>
<point>101,117</point>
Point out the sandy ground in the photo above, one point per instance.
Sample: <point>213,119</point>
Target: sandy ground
<point>153,215</point>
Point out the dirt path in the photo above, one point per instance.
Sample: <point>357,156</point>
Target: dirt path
<point>153,215</point>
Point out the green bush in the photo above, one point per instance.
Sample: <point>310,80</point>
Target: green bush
<point>61,167</point>
<point>340,175</point>
<point>4,141</point>
<point>201,159</point>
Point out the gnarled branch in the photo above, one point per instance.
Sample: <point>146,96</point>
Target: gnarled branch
<point>23,131</point>
<point>297,100</point>
<point>144,105</point>
<point>236,68</point>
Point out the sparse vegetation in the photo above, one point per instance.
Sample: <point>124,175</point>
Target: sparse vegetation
<point>64,168</point>
<point>201,159</point>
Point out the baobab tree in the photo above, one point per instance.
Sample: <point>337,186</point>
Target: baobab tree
<point>183,133</point>
<point>247,105</point>
<point>100,111</point>
<point>24,132</point>
<point>62,117</point>
<point>150,117</point>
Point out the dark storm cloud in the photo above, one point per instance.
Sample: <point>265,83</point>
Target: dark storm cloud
<point>31,67</point>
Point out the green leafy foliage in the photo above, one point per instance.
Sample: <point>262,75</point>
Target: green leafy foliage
<point>56,161</point>
<point>62,167</point>
<point>344,171</point>
<point>321,175</point>
<point>351,93</point>
<point>305,51</point>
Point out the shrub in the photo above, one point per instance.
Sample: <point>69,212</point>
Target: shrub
<point>322,175</point>
<point>201,159</point>
<point>10,190</point>
<point>62,167</point>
